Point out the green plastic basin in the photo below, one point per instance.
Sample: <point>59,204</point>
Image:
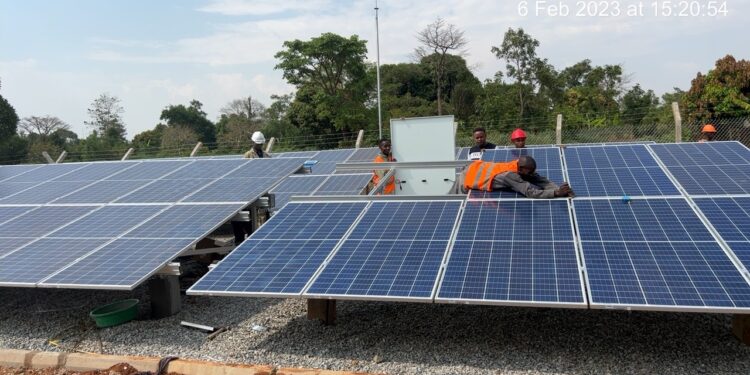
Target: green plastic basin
<point>115,313</point>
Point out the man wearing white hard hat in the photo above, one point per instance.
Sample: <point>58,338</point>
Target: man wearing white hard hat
<point>257,151</point>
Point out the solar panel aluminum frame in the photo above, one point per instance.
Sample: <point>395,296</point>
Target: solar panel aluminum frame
<point>356,221</point>
<point>579,261</point>
<point>42,283</point>
<point>670,308</point>
<point>354,297</point>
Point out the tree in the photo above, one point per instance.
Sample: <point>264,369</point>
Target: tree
<point>438,38</point>
<point>148,140</point>
<point>177,139</point>
<point>246,107</point>
<point>106,118</point>
<point>193,118</point>
<point>723,92</point>
<point>43,126</point>
<point>639,105</point>
<point>519,51</point>
<point>8,119</point>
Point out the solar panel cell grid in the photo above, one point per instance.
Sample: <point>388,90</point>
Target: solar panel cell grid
<point>314,221</point>
<point>165,191</point>
<point>46,173</point>
<point>10,188</point>
<point>34,262</point>
<point>102,192</point>
<point>149,170</point>
<point>38,222</point>
<point>108,222</point>
<point>233,190</point>
<point>337,156</point>
<point>256,168</point>
<point>207,168</point>
<point>301,184</point>
<point>45,192</point>
<point>9,171</point>
<point>429,221</point>
<point>95,171</point>
<point>185,221</point>
<point>8,245</point>
<point>351,184</point>
<point>8,213</point>
<point>731,218</point>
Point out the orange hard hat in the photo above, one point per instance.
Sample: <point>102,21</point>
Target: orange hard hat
<point>517,134</point>
<point>708,128</point>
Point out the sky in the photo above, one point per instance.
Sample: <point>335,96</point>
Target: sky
<point>57,56</point>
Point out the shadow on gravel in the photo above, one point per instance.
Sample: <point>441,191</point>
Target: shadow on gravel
<point>519,339</point>
<point>30,317</point>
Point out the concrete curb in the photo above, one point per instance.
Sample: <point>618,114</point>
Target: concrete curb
<point>90,362</point>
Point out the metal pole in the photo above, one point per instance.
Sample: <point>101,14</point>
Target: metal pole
<point>377,69</point>
<point>677,122</point>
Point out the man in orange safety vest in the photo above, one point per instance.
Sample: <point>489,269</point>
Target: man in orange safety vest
<point>518,175</point>
<point>384,156</point>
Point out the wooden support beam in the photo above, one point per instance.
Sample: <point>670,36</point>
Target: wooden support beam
<point>62,156</point>
<point>741,328</point>
<point>196,149</point>
<point>47,157</point>
<point>323,310</point>
<point>360,137</point>
<point>127,154</point>
<point>271,142</point>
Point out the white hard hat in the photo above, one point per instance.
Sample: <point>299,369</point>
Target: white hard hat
<point>258,138</point>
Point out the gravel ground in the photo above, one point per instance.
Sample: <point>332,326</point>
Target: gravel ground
<point>393,338</point>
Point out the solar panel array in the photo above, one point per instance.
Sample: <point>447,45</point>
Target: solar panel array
<point>111,225</point>
<point>662,249</point>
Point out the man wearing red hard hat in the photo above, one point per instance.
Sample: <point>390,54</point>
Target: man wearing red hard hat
<point>518,137</point>
<point>707,133</point>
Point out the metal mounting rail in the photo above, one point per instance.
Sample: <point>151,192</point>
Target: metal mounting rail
<point>408,164</point>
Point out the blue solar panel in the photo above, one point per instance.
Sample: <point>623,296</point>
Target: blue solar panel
<point>364,155</point>
<point>282,256</point>
<point>46,173</point>
<point>702,154</point>
<point>149,170</point>
<point>655,254</point>
<point>394,252</point>
<point>165,191</point>
<point>34,262</point>
<point>463,153</point>
<point>8,245</point>
<point>102,192</point>
<point>8,171</point>
<point>731,218</point>
<point>10,188</point>
<point>518,252</point>
<point>267,168</point>
<point>320,221</point>
<point>296,154</point>
<point>8,213</point>
<point>324,167</point>
<point>95,171</point>
<point>299,184</point>
<point>233,190</point>
<point>38,222</point>
<point>122,264</point>
<point>600,171</point>
<point>345,184</point>
<point>207,168</point>
<point>108,222</point>
<point>338,156</point>
<point>185,221</point>
<point>44,193</point>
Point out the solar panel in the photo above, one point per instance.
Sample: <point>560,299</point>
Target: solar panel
<point>206,168</point>
<point>394,252</point>
<point>10,188</point>
<point>600,171</point>
<point>45,173</point>
<point>364,155</point>
<point>149,170</point>
<point>165,191</point>
<point>8,171</point>
<point>243,190</point>
<point>463,153</point>
<point>32,263</point>
<point>281,257</point>
<point>337,156</point>
<point>95,171</point>
<point>281,199</point>
<point>324,168</point>
<point>655,254</point>
<point>299,184</point>
<point>38,222</point>
<point>267,168</point>
<point>189,221</point>
<point>516,252</point>
<point>708,168</point>
<point>548,164</point>
<point>44,193</point>
<point>8,245</point>
<point>731,218</point>
<point>296,154</point>
<point>9,212</point>
<point>102,192</point>
<point>122,264</point>
<point>344,184</point>
<point>108,222</point>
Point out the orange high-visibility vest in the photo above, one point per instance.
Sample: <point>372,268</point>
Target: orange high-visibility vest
<point>390,186</point>
<point>479,174</point>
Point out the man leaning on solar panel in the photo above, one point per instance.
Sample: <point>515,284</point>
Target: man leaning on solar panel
<point>517,175</point>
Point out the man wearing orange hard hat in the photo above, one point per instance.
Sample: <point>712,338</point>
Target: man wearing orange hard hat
<point>707,133</point>
<point>518,137</point>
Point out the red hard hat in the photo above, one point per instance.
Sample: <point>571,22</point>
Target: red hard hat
<point>518,133</point>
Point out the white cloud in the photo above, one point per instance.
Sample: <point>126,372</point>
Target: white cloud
<point>261,7</point>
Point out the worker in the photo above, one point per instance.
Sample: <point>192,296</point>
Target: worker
<point>518,138</point>
<point>707,133</point>
<point>257,151</point>
<point>480,144</point>
<point>385,156</point>
<point>518,175</point>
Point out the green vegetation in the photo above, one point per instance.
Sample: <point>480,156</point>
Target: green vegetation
<point>335,98</point>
